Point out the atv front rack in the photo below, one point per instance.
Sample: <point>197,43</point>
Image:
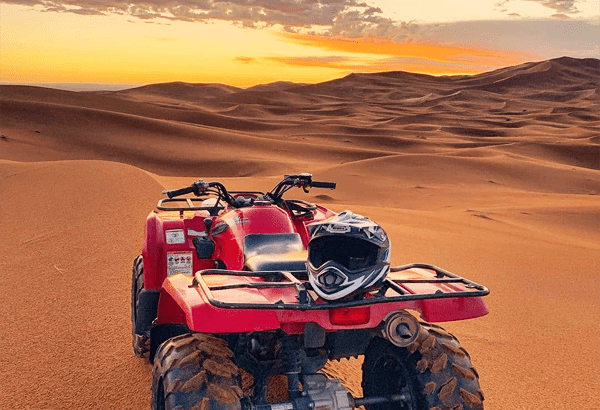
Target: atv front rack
<point>394,289</point>
<point>183,204</point>
<point>195,204</point>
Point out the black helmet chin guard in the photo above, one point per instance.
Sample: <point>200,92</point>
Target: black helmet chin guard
<point>348,254</point>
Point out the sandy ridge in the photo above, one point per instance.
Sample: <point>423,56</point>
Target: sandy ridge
<point>495,177</point>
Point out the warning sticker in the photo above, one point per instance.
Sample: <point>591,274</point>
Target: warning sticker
<point>175,236</point>
<point>179,262</point>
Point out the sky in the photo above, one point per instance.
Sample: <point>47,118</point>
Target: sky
<point>248,42</point>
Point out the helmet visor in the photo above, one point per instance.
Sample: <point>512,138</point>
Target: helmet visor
<point>352,253</point>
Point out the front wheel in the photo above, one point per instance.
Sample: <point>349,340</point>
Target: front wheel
<point>433,373</point>
<point>195,371</point>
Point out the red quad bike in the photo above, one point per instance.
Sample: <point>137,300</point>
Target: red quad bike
<point>236,292</point>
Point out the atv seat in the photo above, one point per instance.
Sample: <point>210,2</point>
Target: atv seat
<point>274,252</point>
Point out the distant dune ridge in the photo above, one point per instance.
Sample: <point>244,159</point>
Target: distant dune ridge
<point>356,117</point>
<point>494,176</point>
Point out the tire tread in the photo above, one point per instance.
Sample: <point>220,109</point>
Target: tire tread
<point>442,367</point>
<point>194,379</point>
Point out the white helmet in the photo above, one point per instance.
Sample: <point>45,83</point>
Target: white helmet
<point>348,254</point>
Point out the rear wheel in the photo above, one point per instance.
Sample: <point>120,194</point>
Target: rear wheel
<point>141,342</point>
<point>195,371</point>
<point>434,373</point>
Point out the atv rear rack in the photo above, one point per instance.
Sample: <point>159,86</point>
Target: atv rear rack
<point>291,279</point>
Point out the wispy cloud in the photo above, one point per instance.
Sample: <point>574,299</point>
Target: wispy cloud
<point>356,64</point>
<point>62,8</point>
<point>431,52</point>
<point>562,7</point>
<point>246,60</point>
<point>352,18</point>
<point>335,62</point>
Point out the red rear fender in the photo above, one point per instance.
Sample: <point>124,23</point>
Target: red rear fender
<point>183,303</point>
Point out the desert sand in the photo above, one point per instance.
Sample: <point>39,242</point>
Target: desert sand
<point>495,177</point>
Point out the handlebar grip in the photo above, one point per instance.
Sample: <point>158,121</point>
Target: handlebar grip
<point>319,184</point>
<point>178,192</point>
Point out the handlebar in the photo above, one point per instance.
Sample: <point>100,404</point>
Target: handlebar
<point>178,192</point>
<point>303,181</point>
<point>319,184</point>
<point>200,188</point>
<point>197,188</point>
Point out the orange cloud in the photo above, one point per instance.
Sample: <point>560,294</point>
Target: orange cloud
<point>244,59</point>
<point>457,55</point>
<point>391,64</point>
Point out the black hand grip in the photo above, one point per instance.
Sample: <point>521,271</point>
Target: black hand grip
<point>319,184</point>
<point>181,191</point>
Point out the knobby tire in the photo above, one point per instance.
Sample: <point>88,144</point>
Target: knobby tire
<point>195,372</point>
<point>435,372</point>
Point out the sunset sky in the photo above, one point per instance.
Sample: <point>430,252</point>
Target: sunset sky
<point>248,42</point>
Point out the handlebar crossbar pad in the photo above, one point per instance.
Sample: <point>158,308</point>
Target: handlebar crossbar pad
<point>318,184</point>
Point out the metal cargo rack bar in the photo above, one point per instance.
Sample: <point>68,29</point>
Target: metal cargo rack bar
<point>290,279</point>
<point>195,204</point>
<point>182,204</point>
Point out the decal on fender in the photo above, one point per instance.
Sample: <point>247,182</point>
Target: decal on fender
<point>241,221</point>
<point>180,262</point>
<point>174,236</point>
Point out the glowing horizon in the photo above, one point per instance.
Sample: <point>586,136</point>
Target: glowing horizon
<point>93,42</point>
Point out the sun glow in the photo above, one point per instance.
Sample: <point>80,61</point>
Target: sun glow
<point>51,47</point>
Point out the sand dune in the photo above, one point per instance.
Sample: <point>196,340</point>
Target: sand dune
<point>494,176</point>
